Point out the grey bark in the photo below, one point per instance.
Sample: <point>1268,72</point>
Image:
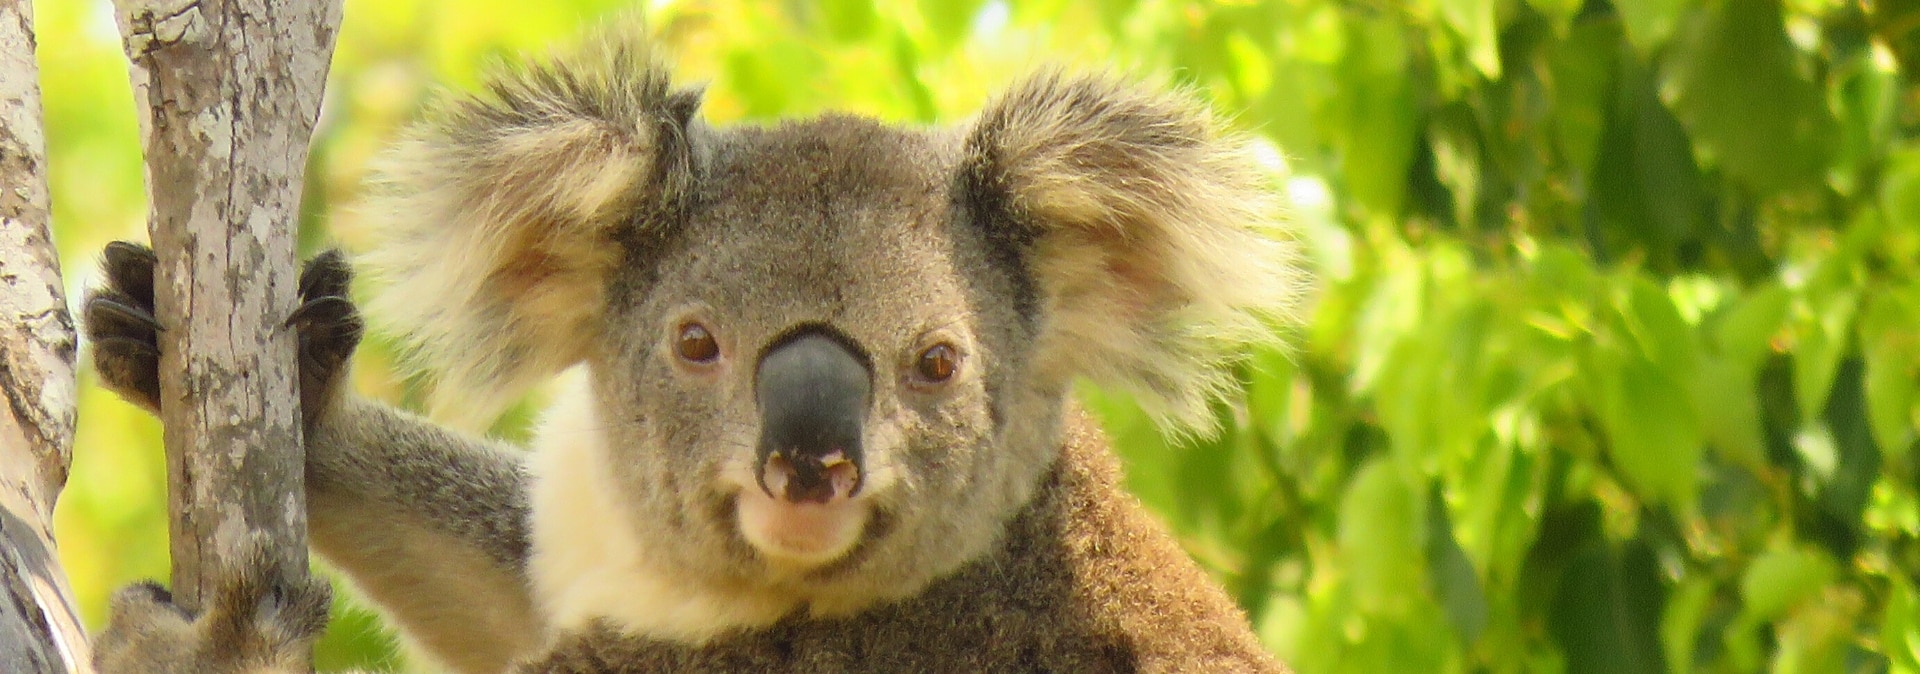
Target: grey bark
<point>229,91</point>
<point>39,628</point>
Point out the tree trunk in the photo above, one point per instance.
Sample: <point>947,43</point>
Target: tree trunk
<point>39,628</point>
<point>229,91</point>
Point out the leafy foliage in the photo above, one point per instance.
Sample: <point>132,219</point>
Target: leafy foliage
<point>1614,367</point>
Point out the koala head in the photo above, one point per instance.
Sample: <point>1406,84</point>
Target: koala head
<point>829,356</point>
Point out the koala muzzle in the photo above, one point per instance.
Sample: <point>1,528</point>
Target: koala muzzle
<point>813,394</point>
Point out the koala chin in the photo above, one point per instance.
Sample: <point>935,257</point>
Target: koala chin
<point>813,405</point>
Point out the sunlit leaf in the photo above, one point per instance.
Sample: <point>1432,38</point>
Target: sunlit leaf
<point>1473,20</point>
<point>1901,633</point>
<point>1780,578</point>
<point>1820,328</point>
<point>1890,345</point>
<point>1650,23</point>
<point>1376,110</point>
<point>1680,622</point>
<point>1653,431</point>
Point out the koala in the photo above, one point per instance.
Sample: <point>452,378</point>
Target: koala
<point>813,379</point>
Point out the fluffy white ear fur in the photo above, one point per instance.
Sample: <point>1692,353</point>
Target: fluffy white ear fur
<point>497,211</point>
<point>1154,236</point>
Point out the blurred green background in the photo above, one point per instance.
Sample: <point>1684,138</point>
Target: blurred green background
<point>1614,359</point>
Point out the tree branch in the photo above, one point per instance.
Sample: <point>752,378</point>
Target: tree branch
<point>229,92</point>
<point>39,628</point>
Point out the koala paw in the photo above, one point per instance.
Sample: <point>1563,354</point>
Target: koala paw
<point>119,320</point>
<point>253,623</point>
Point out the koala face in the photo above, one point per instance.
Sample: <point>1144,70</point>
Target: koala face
<point>839,234</point>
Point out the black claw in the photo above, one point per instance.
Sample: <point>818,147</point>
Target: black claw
<point>120,321</point>
<point>115,308</point>
<point>142,346</point>
<point>319,304</point>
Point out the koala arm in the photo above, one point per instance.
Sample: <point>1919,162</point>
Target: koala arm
<point>430,525</point>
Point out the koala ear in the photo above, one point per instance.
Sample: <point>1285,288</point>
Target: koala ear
<point>1151,235</point>
<point>499,212</point>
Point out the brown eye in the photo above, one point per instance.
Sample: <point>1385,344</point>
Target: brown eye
<point>936,364</point>
<point>696,345</point>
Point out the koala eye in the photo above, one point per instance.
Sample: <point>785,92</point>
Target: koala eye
<point>695,344</point>
<point>937,363</point>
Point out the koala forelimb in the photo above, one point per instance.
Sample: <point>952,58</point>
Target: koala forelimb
<point>429,524</point>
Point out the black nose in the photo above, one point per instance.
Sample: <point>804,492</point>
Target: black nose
<point>813,393</point>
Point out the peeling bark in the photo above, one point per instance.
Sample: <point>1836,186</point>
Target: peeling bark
<point>39,628</point>
<point>229,91</point>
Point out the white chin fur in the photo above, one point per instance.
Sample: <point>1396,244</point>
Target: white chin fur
<point>800,534</point>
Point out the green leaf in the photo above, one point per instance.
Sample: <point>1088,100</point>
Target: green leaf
<point>1375,109</point>
<point>1723,392</point>
<point>1821,330</point>
<point>848,20</point>
<point>1680,621</point>
<point>1473,21</point>
<point>1380,540</point>
<point>1780,578</point>
<point>1890,344</point>
<point>1455,583</point>
<point>1152,466</point>
<point>1719,73</point>
<point>1270,391</point>
<point>1900,186</point>
<point>1843,495</point>
<point>1900,635</point>
<point>1653,432</point>
<point>1583,68</point>
<point>1648,194</point>
<point>1745,333</point>
<point>1606,615</point>
<point>949,21</point>
<point>1455,142</point>
<point>1662,335</point>
<point>1560,12</point>
<point>1650,23</point>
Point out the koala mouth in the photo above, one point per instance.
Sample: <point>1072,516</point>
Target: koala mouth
<point>801,533</point>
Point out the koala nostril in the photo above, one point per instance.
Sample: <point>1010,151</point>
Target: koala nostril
<point>813,391</point>
<point>803,478</point>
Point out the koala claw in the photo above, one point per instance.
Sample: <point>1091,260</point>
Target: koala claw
<point>254,623</point>
<point>119,320</point>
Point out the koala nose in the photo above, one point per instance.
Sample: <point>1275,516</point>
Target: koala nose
<point>813,393</point>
